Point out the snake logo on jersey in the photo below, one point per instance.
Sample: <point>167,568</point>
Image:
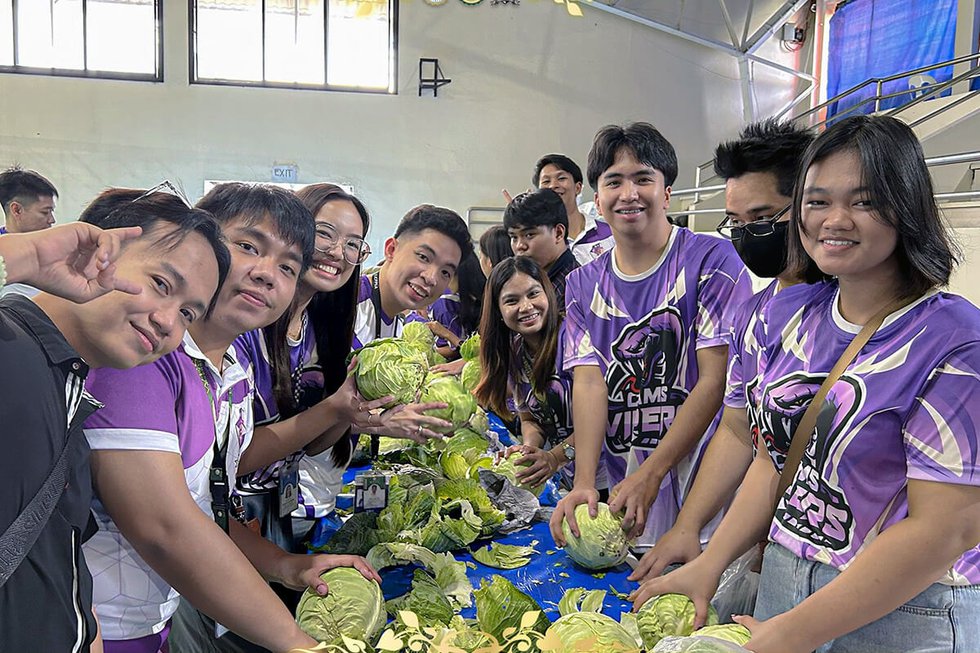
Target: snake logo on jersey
<point>642,381</point>
<point>553,411</point>
<point>773,419</point>
<point>815,508</point>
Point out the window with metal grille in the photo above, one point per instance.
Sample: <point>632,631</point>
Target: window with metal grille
<point>319,44</point>
<point>116,39</point>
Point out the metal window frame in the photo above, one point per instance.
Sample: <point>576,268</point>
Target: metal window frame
<point>392,89</point>
<point>155,77</point>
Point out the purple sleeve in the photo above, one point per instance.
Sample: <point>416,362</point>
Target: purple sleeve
<point>250,347</point>
<point>734,378</point>
<point>576,339</point>
<point>140,407</point>
<point>743,349</point>
<point>446,312</point>
<point>724,287</point>
<point>942,431</point>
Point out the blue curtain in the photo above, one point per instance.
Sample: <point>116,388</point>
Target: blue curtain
<point>878,38</point>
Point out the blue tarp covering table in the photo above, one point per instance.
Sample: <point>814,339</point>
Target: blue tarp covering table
<point>544,579</point>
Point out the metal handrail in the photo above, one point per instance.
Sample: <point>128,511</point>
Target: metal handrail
<point>926,94</point>
<point>942,160</point>
<point>950,159</point>
<point>878,81</point>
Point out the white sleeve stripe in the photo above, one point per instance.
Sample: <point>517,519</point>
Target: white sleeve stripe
<point>132,439</point>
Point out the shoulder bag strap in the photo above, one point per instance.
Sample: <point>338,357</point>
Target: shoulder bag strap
<point>23,532</point>
<point>801,436</point>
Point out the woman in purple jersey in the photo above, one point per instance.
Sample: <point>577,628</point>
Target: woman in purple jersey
<point>874,545</point>
<point>299,360</point>
<point>519,342</point>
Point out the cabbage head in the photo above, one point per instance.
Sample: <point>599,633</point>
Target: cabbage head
<point>590,631</point>
<point>470,376</point>
<point>668,614</point>
<point>390,367</point>
<point>469,443</point>
<point>735,633</point>
<point>448,390</point>
<point>508,467</point>
<point>470,349</point>
<point>354,607</point>
<point>454,465</point>
<point>500,606</point>
<point>603,542</point>
<point>479,422</point>
<point>418,334</point>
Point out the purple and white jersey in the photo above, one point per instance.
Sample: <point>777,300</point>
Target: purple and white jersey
<point>307,375</point>
<point>445,311</point>
<point>367,318</point>
<point>553,411</point>
<point>643,332</point>
<point>594,240</point>
<point>743,352</point>
<point>308,388</point>
<point>908,407</point>
<point>159,407</point>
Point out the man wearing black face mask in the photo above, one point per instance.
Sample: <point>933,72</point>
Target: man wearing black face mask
<point>759,169</point>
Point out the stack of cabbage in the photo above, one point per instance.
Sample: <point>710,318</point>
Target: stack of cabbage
<point>446,515</point>
<point>399,367</point>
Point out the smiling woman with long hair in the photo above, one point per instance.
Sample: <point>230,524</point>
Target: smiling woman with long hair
<point>520,339</point>
<point>299,360</point>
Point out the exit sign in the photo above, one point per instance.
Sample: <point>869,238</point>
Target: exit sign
<point>286,173</point>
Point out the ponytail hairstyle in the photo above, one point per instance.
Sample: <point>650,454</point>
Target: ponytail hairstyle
<point>332,316</point>
<point>497,364</point>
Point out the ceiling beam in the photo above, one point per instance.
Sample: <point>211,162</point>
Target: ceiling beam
<point>728,23</point>
<point>646,22</point>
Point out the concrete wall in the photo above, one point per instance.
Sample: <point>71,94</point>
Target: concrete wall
<point>527,80</point>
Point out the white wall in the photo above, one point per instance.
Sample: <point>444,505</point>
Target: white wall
<point>527,80</point>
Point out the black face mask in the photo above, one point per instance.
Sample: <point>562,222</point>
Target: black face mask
<point>765,256</point>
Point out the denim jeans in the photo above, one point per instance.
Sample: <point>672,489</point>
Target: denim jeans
<point>941,619</point>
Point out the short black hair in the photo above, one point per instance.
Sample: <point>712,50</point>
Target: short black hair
<point>24,186</point>
<point>539,208</point>
<point>254,202</point>
<point>900,188</point>
<point>561,162</point>
<point>106,202</point>
<point>438,218</point>
<point>765,146</point>
<point>160,210</point>
<point>642,139</point>
<point>495,244</point>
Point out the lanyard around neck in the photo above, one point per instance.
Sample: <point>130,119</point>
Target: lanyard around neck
<point>218,476</point>
<point>376,301</point>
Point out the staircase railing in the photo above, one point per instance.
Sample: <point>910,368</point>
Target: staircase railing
<point>703,174</point>
<point>944,160</point>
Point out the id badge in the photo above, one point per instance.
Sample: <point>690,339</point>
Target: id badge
<point>288,490</point>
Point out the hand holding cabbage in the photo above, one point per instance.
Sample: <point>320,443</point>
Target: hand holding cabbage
<point>601,543</point>
<point>404,421</point>
<point>305,572</point>
<point>633,496</point>
<point>696,580</point>
<point>534,465</point>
